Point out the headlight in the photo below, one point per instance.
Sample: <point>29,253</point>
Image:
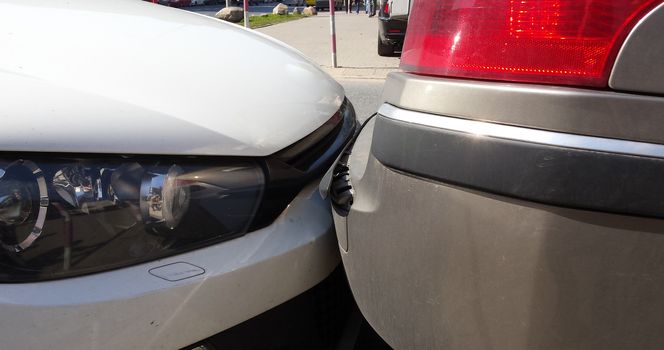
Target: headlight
<point>63,216</point>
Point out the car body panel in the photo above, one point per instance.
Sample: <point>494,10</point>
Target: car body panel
<point>639,65</point>
<point>400,8</point>
<point>134,59</point>
<point>132,308</point>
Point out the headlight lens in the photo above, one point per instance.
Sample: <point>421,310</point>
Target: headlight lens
<point>64,217</point>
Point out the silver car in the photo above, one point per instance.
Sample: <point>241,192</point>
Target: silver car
<point>509,193</point>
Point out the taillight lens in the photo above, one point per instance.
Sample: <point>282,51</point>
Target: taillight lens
<point>386,8</point>
<point>571,42</point>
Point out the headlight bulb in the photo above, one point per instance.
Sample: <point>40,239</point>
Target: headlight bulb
<point>164,199</point>
<point>74,185</point>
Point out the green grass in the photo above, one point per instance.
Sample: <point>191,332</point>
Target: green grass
<point>270,19</point>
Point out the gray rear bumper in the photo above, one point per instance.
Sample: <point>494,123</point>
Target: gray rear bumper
<point>437,265</point>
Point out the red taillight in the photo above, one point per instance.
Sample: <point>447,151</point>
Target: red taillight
<point>572,42</point>
<point>386,8</point>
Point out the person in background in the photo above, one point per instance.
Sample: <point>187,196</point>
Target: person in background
<point>349,6</point>
<point>357,7</point>
<point>370,7</point>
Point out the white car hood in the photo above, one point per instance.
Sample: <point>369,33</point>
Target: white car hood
<point>131,77</point>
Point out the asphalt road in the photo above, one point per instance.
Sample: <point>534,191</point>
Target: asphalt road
<point>364,94</point>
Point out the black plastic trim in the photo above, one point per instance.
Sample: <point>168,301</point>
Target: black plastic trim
<point>286,176</point>
<point>567,177</point>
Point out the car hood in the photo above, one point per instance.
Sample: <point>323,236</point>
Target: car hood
<point>128,76</point>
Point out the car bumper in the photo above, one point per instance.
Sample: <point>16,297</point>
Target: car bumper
<point>392,31</point>
<point>132,308</point>
<point>440,255</point>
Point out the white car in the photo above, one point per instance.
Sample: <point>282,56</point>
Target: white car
<point>146,203</point>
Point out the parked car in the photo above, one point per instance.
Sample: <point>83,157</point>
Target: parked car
<point>325,4</point>
<point>146,203</point>
<point>508,194</point>
<point>392,25</point>
<point>176,3</point>
<point>294,2</point>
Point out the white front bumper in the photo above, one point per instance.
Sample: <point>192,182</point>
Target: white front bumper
<point>132,309</point>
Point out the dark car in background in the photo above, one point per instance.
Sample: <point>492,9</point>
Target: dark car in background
<point>176,3</point>
<point>392,24</point>
<point>509,193</point>
<point>325,4</point>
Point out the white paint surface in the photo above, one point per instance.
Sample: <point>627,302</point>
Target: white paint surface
<point>128,76</point>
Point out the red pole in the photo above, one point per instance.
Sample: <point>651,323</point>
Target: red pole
<point>333,33</point>
<point>246,13</point>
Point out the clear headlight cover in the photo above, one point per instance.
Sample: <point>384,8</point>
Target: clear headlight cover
<point>62,217</point>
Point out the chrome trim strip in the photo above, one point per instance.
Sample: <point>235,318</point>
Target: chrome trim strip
<point>516,133</point>
<point>599,113</point>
